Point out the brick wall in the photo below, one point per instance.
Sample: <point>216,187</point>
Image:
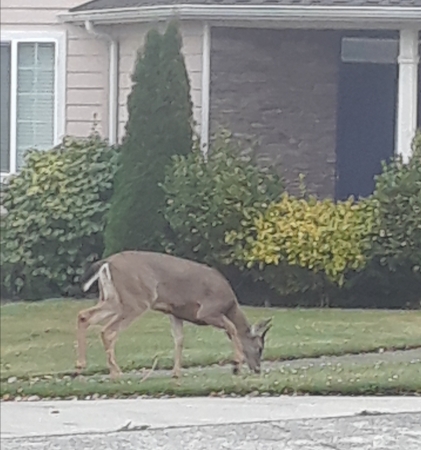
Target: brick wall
<point>280,86</point>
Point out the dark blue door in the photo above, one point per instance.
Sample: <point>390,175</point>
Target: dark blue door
<point>366,125</point>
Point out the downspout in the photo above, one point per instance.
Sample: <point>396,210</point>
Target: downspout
<point>205,112</point>
<point>113,80</point>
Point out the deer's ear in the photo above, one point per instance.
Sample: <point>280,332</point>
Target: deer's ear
<point>261,328</point>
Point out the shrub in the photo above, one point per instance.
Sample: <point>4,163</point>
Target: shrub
<point>55,217</point>
<point>207,198</point>
<point>398,194</point>
<point>159,126</point>
<point>396,244</point>
<point>306,244</point>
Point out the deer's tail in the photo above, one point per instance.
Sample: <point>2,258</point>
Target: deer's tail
<point>93,272</point>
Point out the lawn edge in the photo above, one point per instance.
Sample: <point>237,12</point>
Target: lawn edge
<point>226,362</point>
<point>374,391</point>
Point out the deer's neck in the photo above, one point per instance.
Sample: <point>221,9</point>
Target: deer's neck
<point>238,318</point>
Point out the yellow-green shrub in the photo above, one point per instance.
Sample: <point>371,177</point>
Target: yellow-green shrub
<point>324,238</point>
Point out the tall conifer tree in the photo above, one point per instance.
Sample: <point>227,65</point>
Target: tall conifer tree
<point>159,126</point>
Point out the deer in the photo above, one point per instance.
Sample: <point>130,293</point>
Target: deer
<point>132,282</point>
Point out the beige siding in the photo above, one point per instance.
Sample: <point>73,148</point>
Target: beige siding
<point>132,37</point>
<point>39,4</point>
<point>38,16</point>
<point>87,84</point>
<point>86,61</point>
<point>85,95</point>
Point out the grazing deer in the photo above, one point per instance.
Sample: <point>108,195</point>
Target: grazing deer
<point>132,282</point>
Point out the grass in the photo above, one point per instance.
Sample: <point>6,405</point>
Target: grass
<point>39,338</point>
<point>384,378</point>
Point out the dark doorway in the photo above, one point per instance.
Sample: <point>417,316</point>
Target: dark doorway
<point>366,125</point>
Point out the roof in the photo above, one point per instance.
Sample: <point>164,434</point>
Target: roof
<point>303,13</point>
<point>98,5</point>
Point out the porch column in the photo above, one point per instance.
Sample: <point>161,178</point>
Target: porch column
<point>407,92</point>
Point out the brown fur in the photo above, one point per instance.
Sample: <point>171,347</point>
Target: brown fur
<point>183,289</point>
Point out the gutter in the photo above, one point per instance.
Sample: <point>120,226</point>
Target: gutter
<point>113,80</point>
<point>408,15</point>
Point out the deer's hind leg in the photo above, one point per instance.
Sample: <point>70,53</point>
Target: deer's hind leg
<point>109,335</point>
<point>85,319</point>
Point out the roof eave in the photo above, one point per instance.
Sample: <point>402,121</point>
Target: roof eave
<point>408,15</point>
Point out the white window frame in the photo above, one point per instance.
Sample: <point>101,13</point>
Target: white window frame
<point>59,39</point>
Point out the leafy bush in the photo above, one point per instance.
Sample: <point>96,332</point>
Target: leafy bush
<point>306,244</point>
<point>398,194</point>
<point>207,198</point>
<point>159,126</point>
<point>55,216</point>
<point>395,264</point>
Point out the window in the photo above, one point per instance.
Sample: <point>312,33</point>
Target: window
<point>32,82</point>
<point>370,50</point>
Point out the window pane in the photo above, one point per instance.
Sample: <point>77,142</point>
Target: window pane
<point>26,80</point>
<point>5,107</point>
<point>26,55</point>
<point>46,81</point>
<point>45,57</point>
<point>369,50</point>
<point>35,97</point>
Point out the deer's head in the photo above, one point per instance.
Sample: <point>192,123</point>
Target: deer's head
<point>254,343</point>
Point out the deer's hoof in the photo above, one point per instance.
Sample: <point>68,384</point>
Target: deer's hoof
<point>116,375</point>
<point>176,374</point>
<point>80,365</point>
<point>79,368</point>
<point>236,369</point>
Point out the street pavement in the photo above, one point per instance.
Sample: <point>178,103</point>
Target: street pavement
<point>251,423</point>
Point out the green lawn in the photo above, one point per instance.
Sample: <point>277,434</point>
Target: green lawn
<point>39,338</point>
<point>352,379</point>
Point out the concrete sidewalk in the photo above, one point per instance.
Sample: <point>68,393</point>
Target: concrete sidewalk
<point>58,418</point>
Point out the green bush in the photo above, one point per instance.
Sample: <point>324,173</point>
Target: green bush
<point>207,198</point>
<point>398,194</point>
<point>159,126</point>
<point>303,244</point>
<point>55,217</point>
<point>396,244</point>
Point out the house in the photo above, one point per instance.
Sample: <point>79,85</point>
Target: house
<point>330,88</point>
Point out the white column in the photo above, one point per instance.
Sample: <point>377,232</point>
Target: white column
<point>205,108</point>
<point>407,92</point>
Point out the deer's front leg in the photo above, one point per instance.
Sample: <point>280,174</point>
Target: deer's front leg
<point>232,333</point>
<point>218,320</point>
<point>177,332</point>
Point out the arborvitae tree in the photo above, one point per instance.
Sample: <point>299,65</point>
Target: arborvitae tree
<point>159,126</point>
